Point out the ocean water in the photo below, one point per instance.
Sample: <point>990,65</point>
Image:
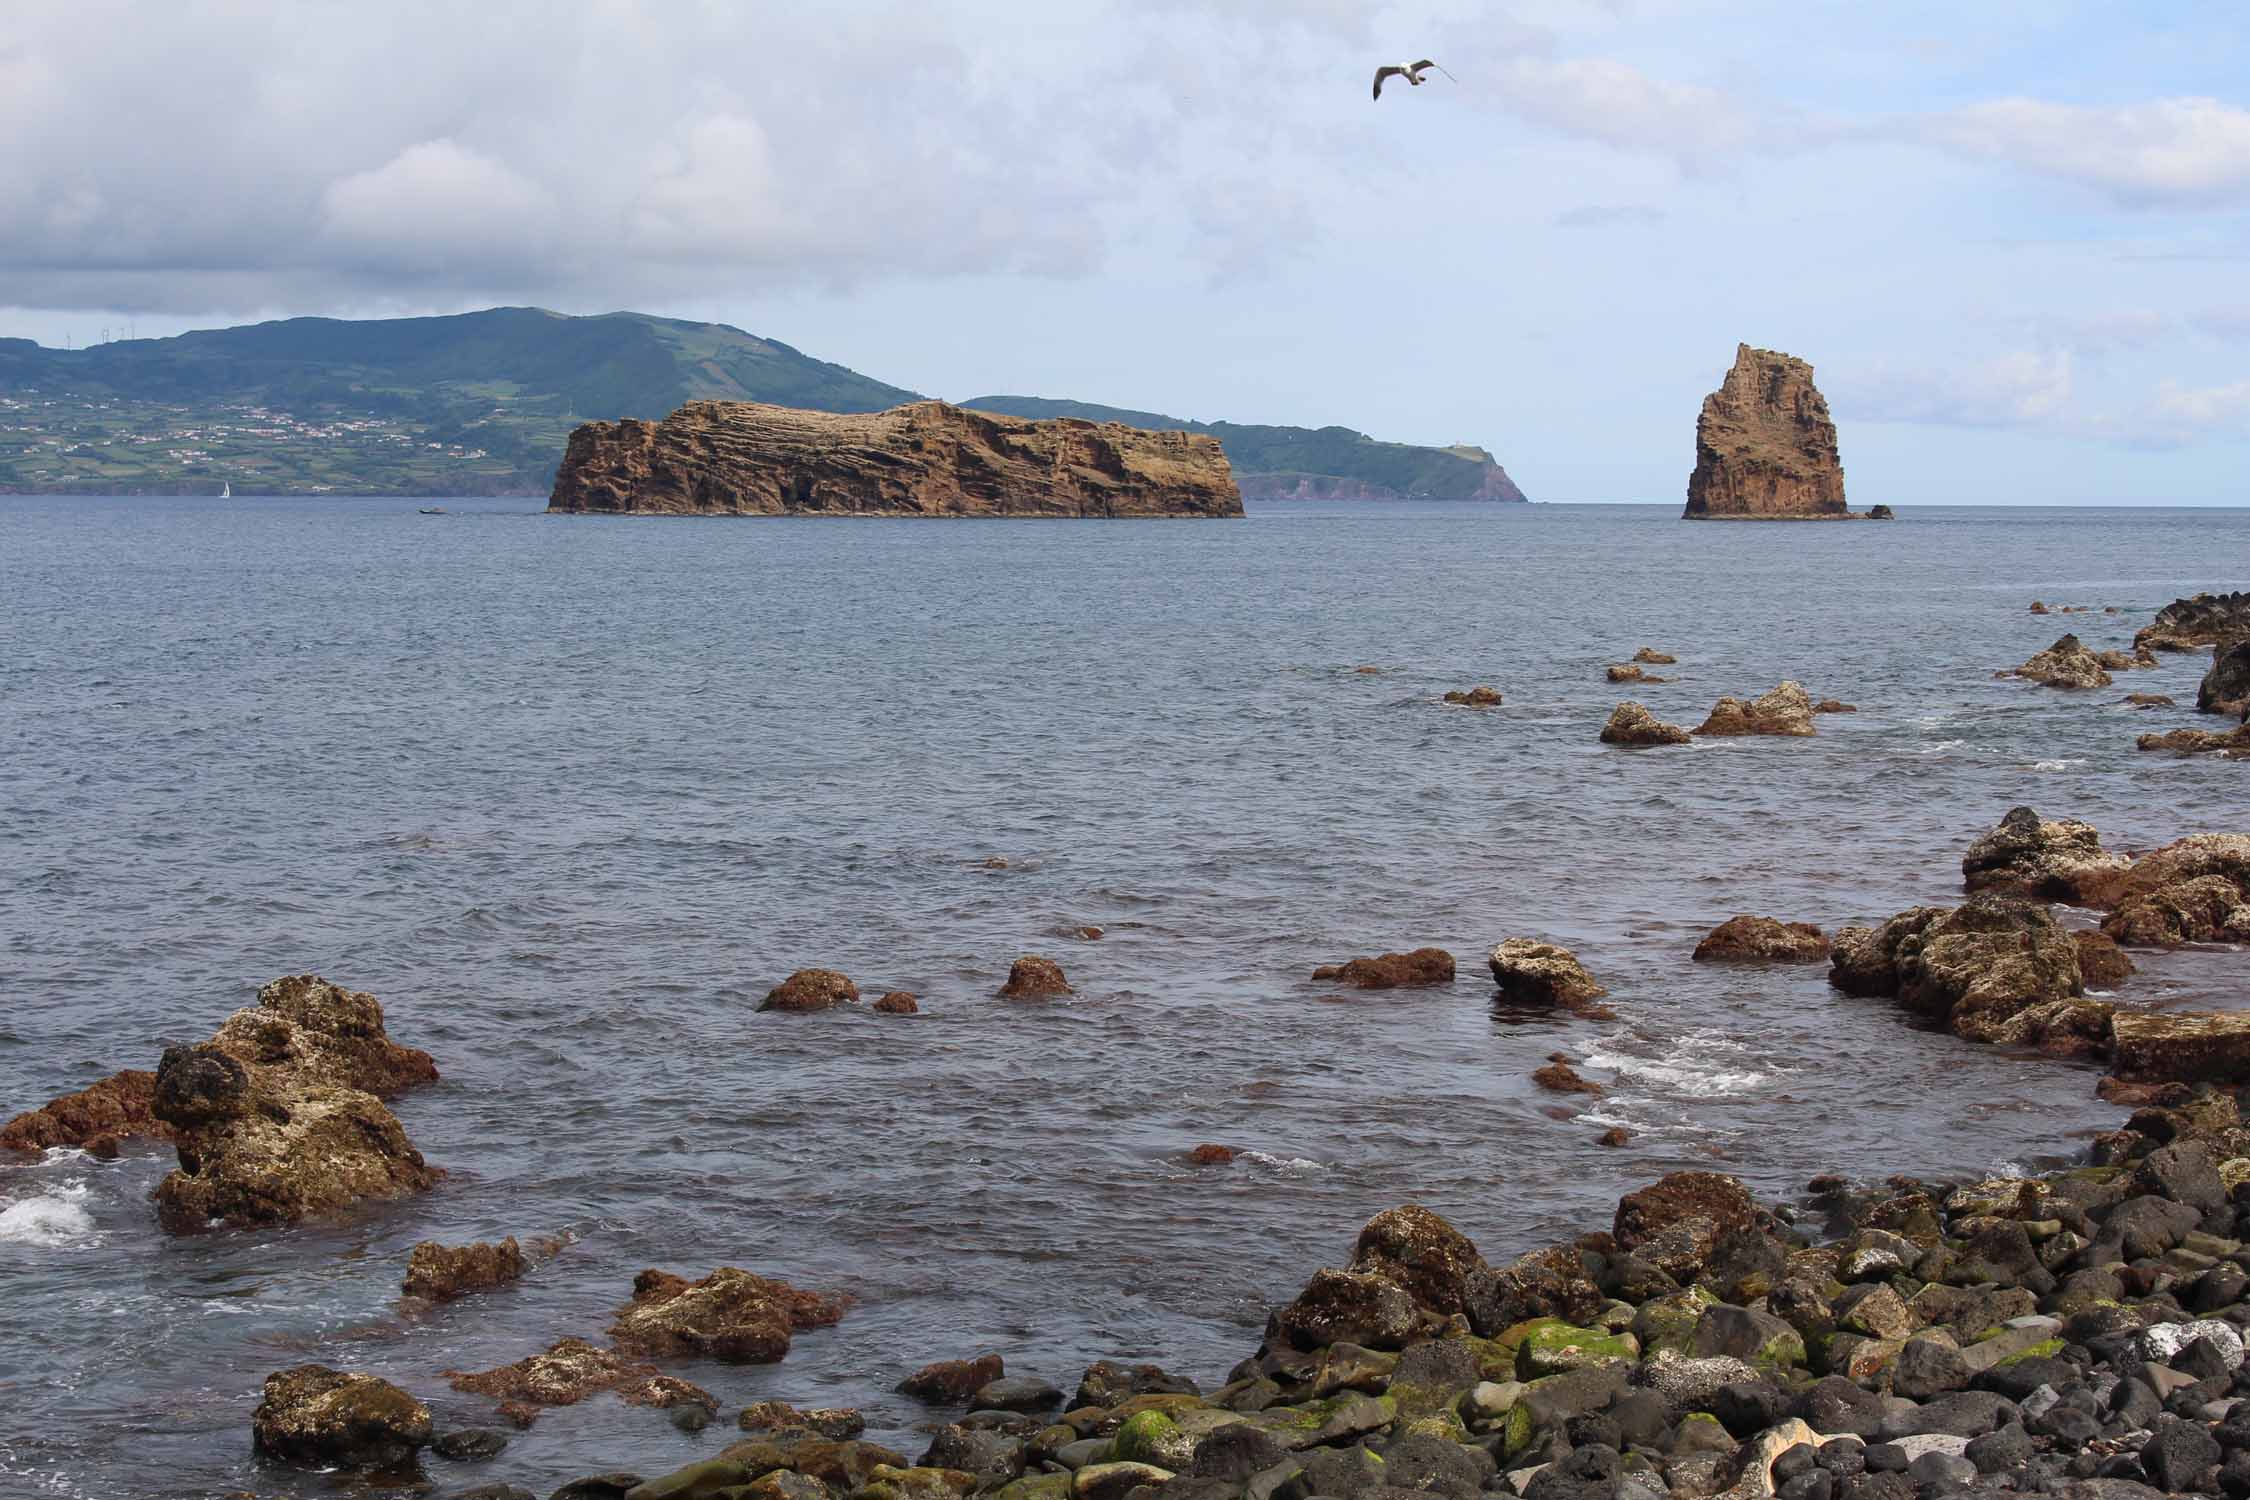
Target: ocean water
<point>570,795</point>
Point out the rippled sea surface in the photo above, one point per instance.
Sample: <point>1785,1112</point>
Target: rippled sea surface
<point>570,795</point>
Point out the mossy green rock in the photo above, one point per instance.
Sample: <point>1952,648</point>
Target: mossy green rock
<point>1035,1487</point>
<point>2046,1349</point>
<point>1669,1322</point>
<point>1549,1346</point>
<point>1515,1430</point>
<point>1114,1481</point>
<point>887,1483</point>
<point>698,1481</point>
<point>1151,1437</point>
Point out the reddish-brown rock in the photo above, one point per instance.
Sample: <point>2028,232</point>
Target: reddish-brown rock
<point>315,1417</point>
<point>2231,744</point>
<point>1392,971</point>
<point>444,1272</point>
<point>95,1119</point>
<point>949,1382</point>
<point>1834,706</point>
<point>2150,700</point>
<point>2102,965</point>
<point>2058,859</point>
<point>811,989</point>
<point>2196,890</point>
<point>1211,1156</point>
<point>1632,725</point>
<point>2225,688</point>
<point>729,1315</point>
<point>1032,977</point>
<point>1747,939</point>
<point>1616,1135</point>
<point>1765,446</point>
<point>1787,710</point>
<point>898,1003</point>
<point>1650,656</point>
<point>835,1423</point>
<point>572,1370</point>
<point>1626,672</point>
<point>922,459</point>
<point>1476,697</point>
<point>1561,1078</point>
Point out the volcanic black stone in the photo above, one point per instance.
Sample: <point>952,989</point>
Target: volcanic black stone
<point>1813,1484</point>
<point>1021,1393</point>
<point>1236,1452</point>
<point>1926,1368</point>
<point>1748,1407</point>
<point>2134,1404</point>
<point>2179,1456</point>
<point>1433,1464</point>
<point>1937,1473</point>
<point>1886,1458</point>
<point>1791,1462</point>
<point>1641,1418</point>
<point>1835,1405</point>
<point>2221,1286</point>
<point>1963,1414</point>
<point>2008,1448</point>
<point>1843,1456</point>
<point>2068,1427</point>
<point>468,1444</point>
<point>2019,1379</point>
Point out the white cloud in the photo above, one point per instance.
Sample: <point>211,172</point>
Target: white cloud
<point>2162,152</point>
<point>434,204</point>
<point>2021,388</point>
<point>1602,99</point>
<point>2187,412</point>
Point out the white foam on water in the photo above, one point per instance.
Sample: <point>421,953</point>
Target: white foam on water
<point>2056,765</point>
<point>1941,747</point>
<point>1696,1067</point>
<point>1287,1166</point>
<point>54,1219</point>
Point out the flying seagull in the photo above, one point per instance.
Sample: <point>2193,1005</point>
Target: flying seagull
<point>1411,72</point>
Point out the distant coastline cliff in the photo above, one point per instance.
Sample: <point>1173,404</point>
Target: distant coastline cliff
<point>1765,447</point>
<point>925,458</point>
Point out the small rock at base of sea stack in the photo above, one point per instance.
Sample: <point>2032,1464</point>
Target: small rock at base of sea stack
<point>1632,724</point>
<point>742,458</point>
<point>1765,446</point>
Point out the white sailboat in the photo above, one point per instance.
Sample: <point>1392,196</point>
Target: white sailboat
<point>226,489</point>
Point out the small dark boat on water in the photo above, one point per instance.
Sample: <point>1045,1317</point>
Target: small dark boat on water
<point>432,510</point>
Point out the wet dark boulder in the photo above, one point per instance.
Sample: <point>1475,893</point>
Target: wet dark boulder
<point>571,1370</point>
<point>1105,1384</point>
<point>2101,963</point>
<point>2225,689</point>
<point>1544,1284</point>
<point>2192,624</point>
<point>2065,664</point>
<point>1724,1203</point>
<point>1633,726</point>
<point>315,1417</point>
<point>949,1382</point>
<point>2195,890</point>
<point>199,1085</point>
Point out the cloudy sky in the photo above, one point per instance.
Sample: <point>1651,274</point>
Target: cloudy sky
<point>2014,238</point>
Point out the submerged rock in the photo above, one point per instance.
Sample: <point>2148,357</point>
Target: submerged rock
<point>1650,656</point>
<point>1632,724</point>
<point>1423,966</point>
<point>2065,664</point>
<point>315,1417</point>
<point>2230,744</point>
<point>897,1003</point>
<point>441,1273</point>
<point>2180,1046</point>
<point>278,1117</point>
<point>570,1371</point>
<point>2191,624</point>
<point>1032,977</point>
<point>2058,860</point>
<point>1627,672</point>
<point>921,459</point>
<point>1209,1155</point>
<point>1559,1077</point>
<point>1747,939</point>
<point>811,989</point>
<point>1787,710</point>
<point>1476,697</point>
<point>2101,963</point>
<point>1530,972</point>
<point>1765,445</point>
<point>729,1315</point>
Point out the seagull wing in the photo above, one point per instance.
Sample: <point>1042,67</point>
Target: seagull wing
<point>1386,72</point>
<point>1427,63</point>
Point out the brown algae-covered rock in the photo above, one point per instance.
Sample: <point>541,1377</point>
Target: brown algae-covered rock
<point>1530,972</point>
<point>1787,710</point>
<point>1748,939</point>
<point>1423,966</point>
<point>441,1273</point>
<point>570,1371</point>
<point>1032,977</point>
<point>314,1417</point>
<point>2065,664</point>
<point>811,989</point>
<point>1632,725</point>
<point>95,1119</point>
<point>2051,860</point>
<point>729,1315</point>
<point>2192,624</point>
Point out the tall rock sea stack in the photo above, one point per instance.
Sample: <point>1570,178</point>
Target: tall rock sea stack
<point>735,458</point>
<point>1764,446</point>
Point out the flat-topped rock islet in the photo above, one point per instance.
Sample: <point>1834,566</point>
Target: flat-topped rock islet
<point>1765,447</point>
<point>739,458</point>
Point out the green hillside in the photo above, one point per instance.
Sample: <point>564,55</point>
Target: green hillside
<point>1312,462</point>
<point>483,403</point>
<point>480,403</point>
